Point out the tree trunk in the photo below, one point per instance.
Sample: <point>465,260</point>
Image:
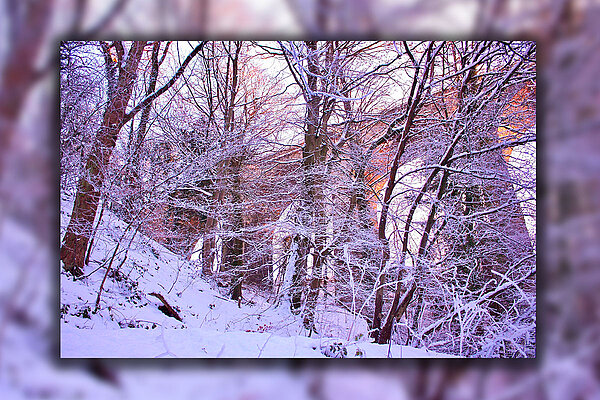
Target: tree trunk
<point>314,154</point>
<point>75,242</point>
<point>233,247</point>
<point>414,105</point>
<point>396,311</point>
<point>301,249</point>
<point>72,252</point>
<point>136,138</point>
<point>421,253</point>
<point>382,236</point>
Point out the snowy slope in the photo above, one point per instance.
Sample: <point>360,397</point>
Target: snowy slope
<point>129,324</point>
<point>29,367</point>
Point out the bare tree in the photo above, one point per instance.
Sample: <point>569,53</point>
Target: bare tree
<point>484,75</point>
<point>384,180</point>
<point>121,76</point>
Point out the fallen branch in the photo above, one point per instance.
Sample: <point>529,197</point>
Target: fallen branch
<point>167,309</point>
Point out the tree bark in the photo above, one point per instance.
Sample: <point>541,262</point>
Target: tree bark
<point>396,311</point>
<point>377,315</point>
<point>233,247</point>
<point>75,242</point>
<point>136,138</point>
<point>314,155</point>
<point>413,107</point>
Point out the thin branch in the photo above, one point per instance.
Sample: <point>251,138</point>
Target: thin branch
<point>165,87</point>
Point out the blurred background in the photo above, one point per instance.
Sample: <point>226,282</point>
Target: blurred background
<point>568,357</point>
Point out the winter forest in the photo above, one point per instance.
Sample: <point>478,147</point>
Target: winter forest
<point>298,199</point>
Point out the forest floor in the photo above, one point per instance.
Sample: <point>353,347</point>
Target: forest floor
<point>129,323</point>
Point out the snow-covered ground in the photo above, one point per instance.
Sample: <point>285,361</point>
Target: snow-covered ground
<point>129,324</point>
<point>198,342</point>
<point>29,368</point>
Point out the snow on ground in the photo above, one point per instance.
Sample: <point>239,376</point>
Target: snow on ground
<point>129,324</point>
<point>196,343</point>
<point>30,345</point>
